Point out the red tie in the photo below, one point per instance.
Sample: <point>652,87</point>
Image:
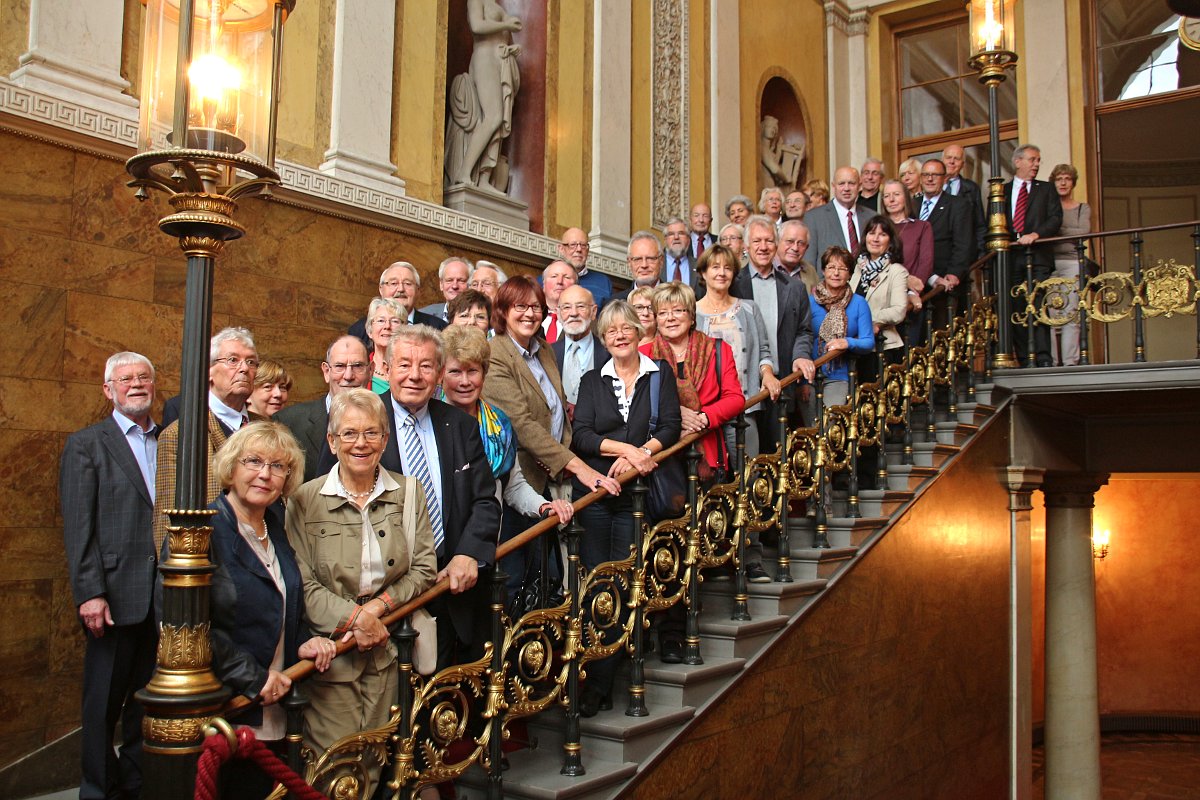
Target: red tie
<point>678,274</point>
<point>851,234</point>
<point>1019,214</point>
<point>552,331</point>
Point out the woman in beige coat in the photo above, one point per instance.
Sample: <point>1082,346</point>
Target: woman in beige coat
<point>880,277</point>
<point>356,566</point>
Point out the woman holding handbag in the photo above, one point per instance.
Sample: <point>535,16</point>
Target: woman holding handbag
<point>613,434</point>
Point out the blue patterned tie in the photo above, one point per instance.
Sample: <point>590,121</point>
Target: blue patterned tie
<point>418,467</point>
<point>926,207</point>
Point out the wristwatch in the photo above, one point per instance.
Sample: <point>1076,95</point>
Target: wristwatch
<point>647,451</point>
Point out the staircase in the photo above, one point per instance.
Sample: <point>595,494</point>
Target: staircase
<point>618,748</point>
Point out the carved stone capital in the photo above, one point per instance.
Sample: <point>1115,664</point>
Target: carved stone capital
<point>1072,489</point>
<point>849,22</point>
<point>1021,482</point>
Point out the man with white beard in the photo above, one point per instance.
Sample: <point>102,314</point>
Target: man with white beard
<point>578,350</point>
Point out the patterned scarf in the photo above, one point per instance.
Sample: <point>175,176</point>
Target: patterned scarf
<point>869,271</point>
<point>699,354</point>
<point>834,324</point>
<point>499,438</point>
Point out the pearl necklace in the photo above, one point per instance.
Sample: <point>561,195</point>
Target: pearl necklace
<point>360,495</point>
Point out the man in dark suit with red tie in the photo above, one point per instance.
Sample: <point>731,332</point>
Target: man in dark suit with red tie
<point>441,447</point>
<point>1034,212</point>
<point>106,486</point>
<point>701,233</point>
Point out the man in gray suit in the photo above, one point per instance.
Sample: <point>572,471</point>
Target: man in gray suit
<point>677,256</point>
<point>840,221</point>
<point>345,367</point>
<point>106,487</point>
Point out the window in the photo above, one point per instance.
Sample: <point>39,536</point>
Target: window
<point>1138,53</point>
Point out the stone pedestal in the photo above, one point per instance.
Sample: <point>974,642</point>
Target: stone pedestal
<point>488,205</point>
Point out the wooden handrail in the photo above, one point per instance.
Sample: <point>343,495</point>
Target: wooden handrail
<point>304,667</point>
<point>1121,232</point>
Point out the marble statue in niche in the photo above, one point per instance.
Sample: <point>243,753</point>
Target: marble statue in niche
<point>780,164</point>
<point>481,101</point>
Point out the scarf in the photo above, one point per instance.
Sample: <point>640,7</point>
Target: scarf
<point>499,439</point>
<point>834,325</point>
<point>700,351</point>
<point>869,271</point>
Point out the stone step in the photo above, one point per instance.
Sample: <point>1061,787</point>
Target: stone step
<point>983,394</point>
<point>903,477</point>
<point>881,502</point>
<point>763,599</point>
<point>955,433</point>
<point>678,685</point>
<point>534,775</point>
<point>809,563</point>
<point>612,736</point>
<point>847,532</point>
<point>932,454</point>
<point>729,638</point>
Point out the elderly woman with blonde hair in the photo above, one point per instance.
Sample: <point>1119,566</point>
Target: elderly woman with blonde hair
<point>257,598</point>
<point>364,545</point>
<point>384,316</point>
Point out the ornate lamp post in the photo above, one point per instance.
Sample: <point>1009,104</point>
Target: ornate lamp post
<point>992,53</point>
<point>206,137</point>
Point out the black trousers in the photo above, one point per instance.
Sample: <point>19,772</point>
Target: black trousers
<point>115,666</point>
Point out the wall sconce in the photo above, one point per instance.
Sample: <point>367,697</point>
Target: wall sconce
<point>1100,544</point>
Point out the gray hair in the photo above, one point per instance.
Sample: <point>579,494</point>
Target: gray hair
<point>910,163</point>
<point>738,198</point>
<point>673,221</point>
<point>794,223</point>
<point>421,335</point>
<point>229,335</point>
<point>873,160</point>
<point>740,231</point>
<point>644,235</point>
<point>616,312</point>
<point>760,221</point>
<point>404,264</point>
<point>365,401</point>
<point>124,359</point>
<point>481,264</point>
<point>1022,149</point>
<point>762,198</point>
<point>390,304</point>
<point>442,266</point>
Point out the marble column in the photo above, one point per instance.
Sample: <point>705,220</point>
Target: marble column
<point>1072,705</point>
<point>361,129</point>
<point>1044,53</point>
<point>846,56</point>
<point>75,54</point>
<point>1020,482</point>
<point>612,87</point>
<point>725,92</point>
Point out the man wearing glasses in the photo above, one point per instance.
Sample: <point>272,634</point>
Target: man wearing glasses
<point>574,248</point>
<point>953,242</point>
<point>345,367</point>
<point>106,486</point>
<point>400,282</point>
<point>232,365</point>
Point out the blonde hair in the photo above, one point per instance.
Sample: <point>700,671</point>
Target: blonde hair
<point>466,344</point>
<point>675,293</point>
<point>365,401</point>
<point>272,371</point>
<point>616,312</point>
<point>266,438</point>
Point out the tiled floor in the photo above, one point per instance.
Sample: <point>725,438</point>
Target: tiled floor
<point>1161,766</point>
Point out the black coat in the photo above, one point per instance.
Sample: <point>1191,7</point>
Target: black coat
<point>953,235</point>
<point>597,417</point>
<point>794,331</point>
<point>1043,216</point>
<point>309,423</point>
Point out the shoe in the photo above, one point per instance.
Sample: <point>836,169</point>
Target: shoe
<point>589,703</point>
<point>672,652</point>
<point>756,574</point>
<point>606,702</point>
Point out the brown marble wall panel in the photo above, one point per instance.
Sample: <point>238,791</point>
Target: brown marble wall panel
<point>26,551</point>
<point>104,211</point>
<point>55,262</point>
<point>24,634</point>
<point>36,192</point>
<point>29,404</point>
<point>97,327</point>
<point>32,318</point>
<point>29,478</point>
<point>894,685</point>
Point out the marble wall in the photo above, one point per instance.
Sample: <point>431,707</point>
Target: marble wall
<point>84,272</point>
<point>895,684</point>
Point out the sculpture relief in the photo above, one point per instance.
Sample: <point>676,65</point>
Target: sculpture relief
<point>780,164</point>
<point>481,101</point>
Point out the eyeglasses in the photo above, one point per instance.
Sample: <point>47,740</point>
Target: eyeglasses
<point>353,366</point>
<point>521,308</point>
<point>643,308</point>
<point>394,282</point>
<point>671,313</point>
<point>350,437</point>
<point>391,322</point>
<point>256,464</point>
<point>576,245</point>
<point>233,362</point>
<point>573,308</point>
<point>643,259</point>
<point>141,377</point>
<point>620,330</point>
<point>482,284</point>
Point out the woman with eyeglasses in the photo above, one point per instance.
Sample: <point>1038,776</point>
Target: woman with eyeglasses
<point>257,599</point>
<point>383,317</point>
<point>734,237</point>
<point>642,301</point>
<point>356,565</point>
<point>525,383</point>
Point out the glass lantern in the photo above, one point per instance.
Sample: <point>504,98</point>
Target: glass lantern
<point>992,26</point>
<point>210,88</point>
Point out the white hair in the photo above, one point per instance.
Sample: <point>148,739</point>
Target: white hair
<point>124,359</point>
<point>230,335</point>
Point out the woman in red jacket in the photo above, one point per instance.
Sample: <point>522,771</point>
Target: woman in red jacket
<point>706,371</point>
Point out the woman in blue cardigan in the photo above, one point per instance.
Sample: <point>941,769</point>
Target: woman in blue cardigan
<point>842,322</point>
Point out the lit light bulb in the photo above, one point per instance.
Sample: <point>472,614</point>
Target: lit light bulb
<point>212,77</point>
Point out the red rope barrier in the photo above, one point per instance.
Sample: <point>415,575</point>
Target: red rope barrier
<point>217,751</point>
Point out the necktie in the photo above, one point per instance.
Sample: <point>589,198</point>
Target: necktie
<point>552,330</point>
<point>701,244</point>
<point>1022,204</point>
<point>954,186</point>
<point>851,233</point>
<point>572,391</point>
<point>677,275</point>
<point>418,467</point>
<point>926,207</point>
